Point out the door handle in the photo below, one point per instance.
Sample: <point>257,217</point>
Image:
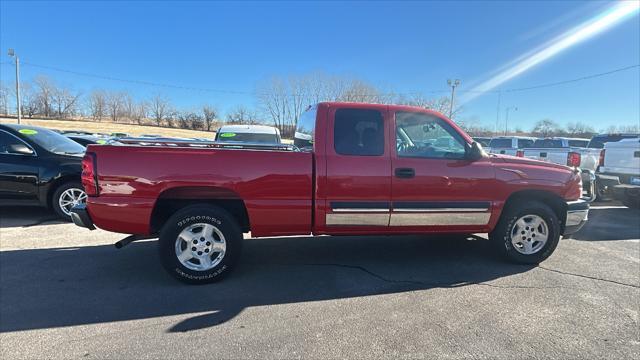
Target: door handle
<point>405,173</point>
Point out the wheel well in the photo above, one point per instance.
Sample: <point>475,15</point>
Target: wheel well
<point>555,202</point>
<point>56,184</point>
<point>174,199</point>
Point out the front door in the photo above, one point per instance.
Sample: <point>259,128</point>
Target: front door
<point>433,184</point>
<point>19,172</point>
<point>358,169</point>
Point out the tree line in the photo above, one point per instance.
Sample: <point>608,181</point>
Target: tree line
<point>279,102</point>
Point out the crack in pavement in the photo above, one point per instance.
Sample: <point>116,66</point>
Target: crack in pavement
<point>448,284</point>
<point>454,284</point>
<point>589,277</point>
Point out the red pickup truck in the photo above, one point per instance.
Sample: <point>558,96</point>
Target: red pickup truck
<point>354,169</point>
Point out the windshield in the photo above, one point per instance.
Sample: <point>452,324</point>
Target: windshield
<point>247,137</point>
<point>51,140</point>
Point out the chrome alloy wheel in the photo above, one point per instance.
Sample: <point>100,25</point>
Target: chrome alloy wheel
<point>529,234</point>
<point>70,198</point>
<point>200,247</point>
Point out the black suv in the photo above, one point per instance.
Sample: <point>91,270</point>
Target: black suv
<point>40,167</point>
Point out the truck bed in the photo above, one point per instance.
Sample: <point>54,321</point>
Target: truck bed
<point>275,185</point>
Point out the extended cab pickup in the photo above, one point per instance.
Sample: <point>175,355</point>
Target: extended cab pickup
<point>571,152</point>
<point>355,169</point>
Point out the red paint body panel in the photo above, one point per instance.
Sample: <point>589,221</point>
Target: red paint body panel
<point>277,187</point>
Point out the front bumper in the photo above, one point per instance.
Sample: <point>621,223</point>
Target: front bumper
<point>81,217</point>
<point>577,216</point>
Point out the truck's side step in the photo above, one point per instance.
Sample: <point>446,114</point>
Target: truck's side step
<point>131,238</point>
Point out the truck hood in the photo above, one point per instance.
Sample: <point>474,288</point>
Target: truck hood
<point>508,159</point>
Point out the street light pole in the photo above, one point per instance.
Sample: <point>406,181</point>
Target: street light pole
<point>453,84</point>
<point>506,120</point>
<point>12,53</point>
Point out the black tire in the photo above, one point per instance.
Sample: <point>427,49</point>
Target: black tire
<point>501,235</point>
<point>196,214</point>
<point>55,199</point>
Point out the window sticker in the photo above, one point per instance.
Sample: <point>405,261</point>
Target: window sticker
<point>27,131</point>
<point>227,135</point>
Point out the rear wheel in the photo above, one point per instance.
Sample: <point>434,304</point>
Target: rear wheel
<point>66,197</point>
<point>528,232</point>
<point>200,244</point>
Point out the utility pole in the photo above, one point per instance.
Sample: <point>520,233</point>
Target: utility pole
<point>12,53</point>
<point>453,84</point>
<point>506,120</point>
<point>498,112</point>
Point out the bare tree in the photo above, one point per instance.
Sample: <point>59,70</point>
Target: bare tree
<point>115,104</point>
<point>140,112</point>
<point>241,115</point>
<point>579,129</point>
<point>64,101</point>
<point>546,128</point>
<point>159,108</point>
<point>4,99</point>
<point>98,104</point>
<point>45,88</point>
<point>209,116</point>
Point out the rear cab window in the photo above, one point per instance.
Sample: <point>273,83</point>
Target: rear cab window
<point>525,143</point>
<point>578,143</point>
<point>501,143</point>
<point>358,132</point>
<point>305,129</point>
<point>547,143</point>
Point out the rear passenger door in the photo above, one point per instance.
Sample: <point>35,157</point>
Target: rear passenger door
<point>358,169</point>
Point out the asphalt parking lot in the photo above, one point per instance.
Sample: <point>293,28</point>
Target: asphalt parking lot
<point>66,292</point>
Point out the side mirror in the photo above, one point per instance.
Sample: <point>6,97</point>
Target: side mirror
<point>21,149</point>
<point>474,152</point>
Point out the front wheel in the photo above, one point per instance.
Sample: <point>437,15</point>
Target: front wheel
<point>528,232</point>
<point>200,244</point>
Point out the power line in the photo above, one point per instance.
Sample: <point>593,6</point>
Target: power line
<point>572,80</point>
<point>237,92</point>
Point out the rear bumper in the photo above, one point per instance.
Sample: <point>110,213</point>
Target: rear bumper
<point>81,217</point>
<point>608,180</point>
<point>577,216</point>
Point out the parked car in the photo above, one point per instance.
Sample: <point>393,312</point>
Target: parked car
<point>509,145</point>
<point>620,170</point>
<point>248,134</point>
<point>484,141</point>
<point>85,140</point>
<point>357,169</point>
<point>571,152</point>
<point>40,167</point>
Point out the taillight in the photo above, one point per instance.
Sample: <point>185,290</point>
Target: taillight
<point>601,159</point>
<point>89,176</point>
<point>573,159</point>
<point>520,153</point>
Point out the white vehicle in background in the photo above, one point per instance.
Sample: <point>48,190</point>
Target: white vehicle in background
<point>620,170</point>
<point>509,145</point>
<point>571,152</point>
<point>254,134</point>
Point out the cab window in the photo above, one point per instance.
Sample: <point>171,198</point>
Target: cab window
<point>426,136</point>
<point>358,132</point>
